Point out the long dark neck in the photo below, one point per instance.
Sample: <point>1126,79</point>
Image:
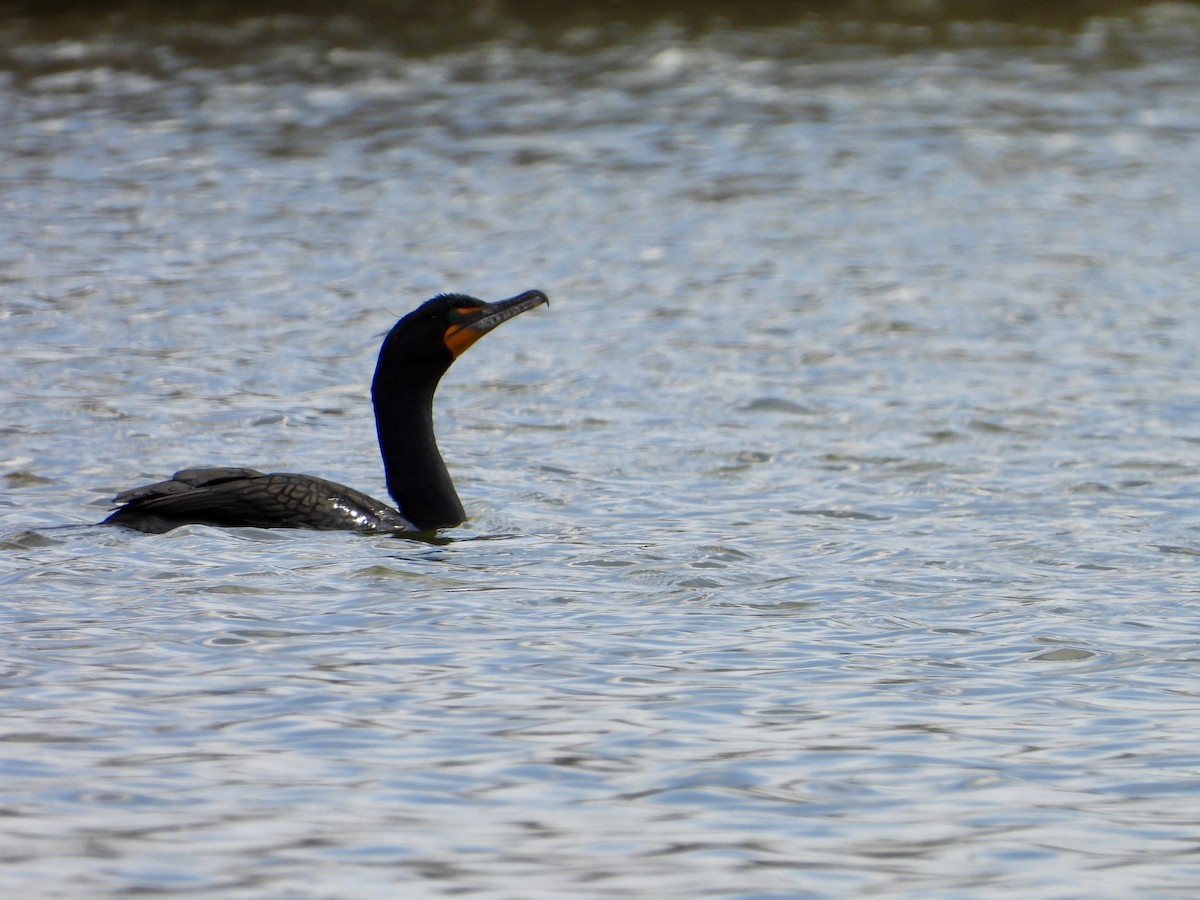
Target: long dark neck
<point>417,477</point>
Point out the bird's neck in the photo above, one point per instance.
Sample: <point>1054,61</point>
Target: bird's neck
<point>417,477</point>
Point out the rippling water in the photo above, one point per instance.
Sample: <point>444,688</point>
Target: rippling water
<point>835,531</point>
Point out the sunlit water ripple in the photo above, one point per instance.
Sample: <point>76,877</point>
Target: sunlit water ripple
<point>834,531</point>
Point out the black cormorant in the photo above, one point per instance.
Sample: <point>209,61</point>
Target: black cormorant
<point>415,354</point>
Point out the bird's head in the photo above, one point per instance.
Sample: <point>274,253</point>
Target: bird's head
<point>441,329</point>
<point>438,331</point>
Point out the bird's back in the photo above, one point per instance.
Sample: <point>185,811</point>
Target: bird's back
<point>232,497</point>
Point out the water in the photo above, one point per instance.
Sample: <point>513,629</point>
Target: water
<point>834,531</point>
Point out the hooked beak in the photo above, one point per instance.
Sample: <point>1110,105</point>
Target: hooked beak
<point>479,320</point>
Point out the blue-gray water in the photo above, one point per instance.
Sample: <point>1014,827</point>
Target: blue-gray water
<point>834,532</point>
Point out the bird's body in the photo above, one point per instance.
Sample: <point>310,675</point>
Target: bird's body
<point>228,496</point>
<point>416,353</point>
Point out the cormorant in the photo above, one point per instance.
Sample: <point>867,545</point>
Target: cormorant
<point>415,354</point>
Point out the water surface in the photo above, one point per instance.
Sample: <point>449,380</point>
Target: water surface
<point>834,531</point>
